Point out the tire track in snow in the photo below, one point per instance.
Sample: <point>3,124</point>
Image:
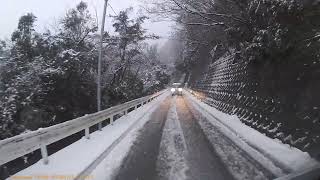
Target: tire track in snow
<point>203,161</point>
<point>171,163</point>
<point>238,162</point>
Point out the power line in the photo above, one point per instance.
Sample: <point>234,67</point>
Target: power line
<point>112,9</point>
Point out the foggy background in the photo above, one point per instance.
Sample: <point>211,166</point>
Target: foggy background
<point>49,12</point>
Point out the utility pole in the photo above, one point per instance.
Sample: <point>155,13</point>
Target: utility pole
<point>100,59</point>
<point>100,55</point>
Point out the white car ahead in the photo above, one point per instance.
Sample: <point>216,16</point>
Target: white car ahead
<point>176,89</point>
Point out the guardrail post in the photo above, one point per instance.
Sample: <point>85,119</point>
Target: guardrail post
<point>111,120</point>
<point>44,154</point>
<point>87,133</point>
<point>100,126</point>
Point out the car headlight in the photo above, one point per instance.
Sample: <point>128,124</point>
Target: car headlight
<point>173,89</point>
<point>180,89</point>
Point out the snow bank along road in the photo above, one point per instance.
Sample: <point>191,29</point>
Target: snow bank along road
<point>175,138</point>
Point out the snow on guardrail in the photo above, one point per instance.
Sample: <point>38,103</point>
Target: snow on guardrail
<point>23,144</point>
<point>81,159</point>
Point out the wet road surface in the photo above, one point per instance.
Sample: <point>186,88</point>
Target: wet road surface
<point>140,163</point>
<point>203,162</point>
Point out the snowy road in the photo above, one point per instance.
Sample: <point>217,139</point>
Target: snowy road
<point>173,146</point>
<point>140,163</point>
<point>175,138</point>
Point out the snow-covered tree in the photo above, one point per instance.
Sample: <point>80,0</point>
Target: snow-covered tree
<point>126,57</point>
<point>275,46</point>
<point>48,78</point>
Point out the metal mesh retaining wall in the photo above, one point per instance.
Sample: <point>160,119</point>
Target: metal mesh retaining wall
<point>281,101</point>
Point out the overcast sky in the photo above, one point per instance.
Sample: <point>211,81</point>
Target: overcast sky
<point>49,11</point>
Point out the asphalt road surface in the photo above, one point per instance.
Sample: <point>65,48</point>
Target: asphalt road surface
<point>172,146</point>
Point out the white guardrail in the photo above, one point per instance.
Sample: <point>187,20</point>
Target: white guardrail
<point>20,145</point>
